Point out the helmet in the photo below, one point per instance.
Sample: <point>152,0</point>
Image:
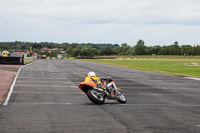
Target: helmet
<point>91,74</point>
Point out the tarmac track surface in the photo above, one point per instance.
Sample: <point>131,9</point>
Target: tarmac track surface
<point>46,98</point>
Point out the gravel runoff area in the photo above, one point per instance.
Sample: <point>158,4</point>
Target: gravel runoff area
<point>46,98</point>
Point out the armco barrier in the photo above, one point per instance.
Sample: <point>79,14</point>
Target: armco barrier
<point>12,60</point>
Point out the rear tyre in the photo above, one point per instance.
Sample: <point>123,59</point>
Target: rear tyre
<point>122,99</point>
<point>95,96</point>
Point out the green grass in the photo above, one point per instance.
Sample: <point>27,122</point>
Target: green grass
<point>28,60</point>
<point>155,56</point>
<point>175,67</point>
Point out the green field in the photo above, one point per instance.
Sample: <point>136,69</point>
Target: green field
<point>154,56</point>
<point>177,67</point>
<point>28,60</point>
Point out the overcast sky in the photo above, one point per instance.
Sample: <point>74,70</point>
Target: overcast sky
<point>157,22</point>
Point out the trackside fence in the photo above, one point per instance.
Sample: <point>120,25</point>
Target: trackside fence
<point>12,60</point>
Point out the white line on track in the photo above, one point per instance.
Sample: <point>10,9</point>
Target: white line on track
<point>47,92</point>
<point>44,86</point>
<point>138,87</point>
<point>197,125</point>
<point>128,83</point>
<point>161,94</point>
<point>45,74</point>
<point>192,78</point>
<point>113,104</point>
<point>13,84</point>
<point>40,81</point>
<point>155,105</point>
<point>46,78</point>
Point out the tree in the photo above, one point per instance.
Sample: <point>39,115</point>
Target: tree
<point>70,51</point>
<point>198,49</point>
<point>124,45</point>
<point>186,50</point>
<point>106,51</point>
<point>194,50</point>
<point>84,52</point>
<point>140,48</point>
<point>76,52</point>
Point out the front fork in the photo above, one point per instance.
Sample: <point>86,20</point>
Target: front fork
<point>118,93</point>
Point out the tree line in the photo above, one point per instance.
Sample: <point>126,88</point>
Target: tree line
<point>90,49</point>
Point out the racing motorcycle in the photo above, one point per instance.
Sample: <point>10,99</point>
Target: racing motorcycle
<point>97,93</point>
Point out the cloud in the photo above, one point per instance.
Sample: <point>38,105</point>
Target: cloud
<point>101,19</point>
<point>113,11</point>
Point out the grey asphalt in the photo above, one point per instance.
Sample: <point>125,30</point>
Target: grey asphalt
<point>46,99</point>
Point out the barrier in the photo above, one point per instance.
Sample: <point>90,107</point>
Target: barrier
<point>12,60</point>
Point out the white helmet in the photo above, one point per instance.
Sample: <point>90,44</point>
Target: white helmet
<point>91,74</point>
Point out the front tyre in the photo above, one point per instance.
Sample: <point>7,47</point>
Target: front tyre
<point>122,99</point>
<point>95,96</point>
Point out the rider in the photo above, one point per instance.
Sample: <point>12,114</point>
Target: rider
<point>92,75</point>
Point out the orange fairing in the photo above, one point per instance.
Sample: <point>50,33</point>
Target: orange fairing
<point>112,83</point>
<point>85,86</point>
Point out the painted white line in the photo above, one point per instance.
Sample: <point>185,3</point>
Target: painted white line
<point>192,78</point>
<point>162,94</point>
<point>128,83</point>
<point>32,103</point>
<point>44,86</point>
<point>13,84</point>
<point>162,83</point>
<point>183,84</point>
<point>40,81</point>
<point>155,105</point>
<point>109,103</point>
<point>197,125</point>
<point>138,87</point>
<point>57,103</point>
<point>47,92</point>
<point>46,78</point>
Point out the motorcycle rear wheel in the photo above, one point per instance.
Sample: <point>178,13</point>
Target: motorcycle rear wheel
<point>95,96</point>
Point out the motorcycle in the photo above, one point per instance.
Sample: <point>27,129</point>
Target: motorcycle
<point>97,93</point>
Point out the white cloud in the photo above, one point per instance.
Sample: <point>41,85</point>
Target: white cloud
<point>112,21</point>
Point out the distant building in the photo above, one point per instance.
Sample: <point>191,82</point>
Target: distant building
<point>57,49</point>
<point>19,54</point>
<point>46,49</point>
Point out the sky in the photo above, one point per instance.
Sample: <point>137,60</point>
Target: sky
<point>157,22</point>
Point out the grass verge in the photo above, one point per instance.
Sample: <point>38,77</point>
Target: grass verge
<point>28,60</point>
<point>176,67</point>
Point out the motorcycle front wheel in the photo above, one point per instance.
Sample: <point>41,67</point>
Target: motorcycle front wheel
<point>95,96</point>
<point>122,99</point>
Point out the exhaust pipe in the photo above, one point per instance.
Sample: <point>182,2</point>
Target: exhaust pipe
<point>101,90</point>
<point>97,89</point>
